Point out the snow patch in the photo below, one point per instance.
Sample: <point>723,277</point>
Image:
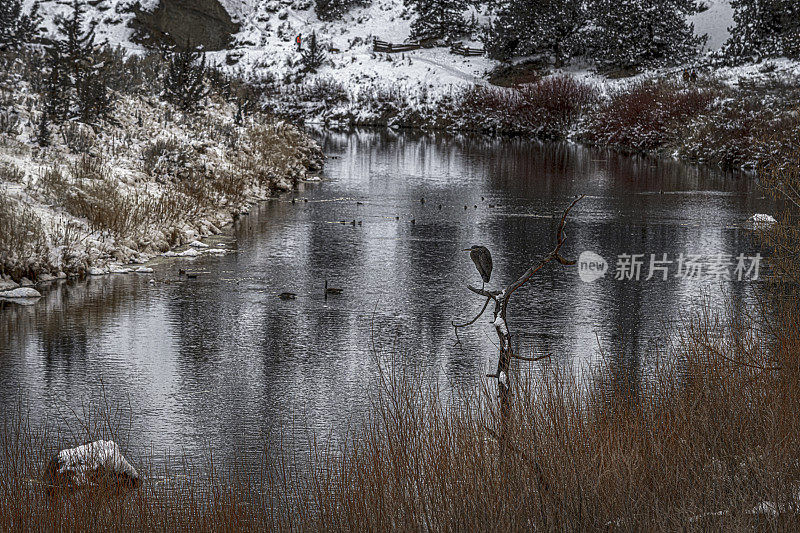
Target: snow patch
<point>191,252</point>
<point>500,324</point>
<point>762,220</point>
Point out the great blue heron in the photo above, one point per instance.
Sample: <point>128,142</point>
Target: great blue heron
<point>482,258</point>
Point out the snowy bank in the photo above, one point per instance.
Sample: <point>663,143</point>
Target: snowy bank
<point>154,178</point>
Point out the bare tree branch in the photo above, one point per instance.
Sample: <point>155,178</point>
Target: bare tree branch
<point>555,254</point>
<point>465,324</point>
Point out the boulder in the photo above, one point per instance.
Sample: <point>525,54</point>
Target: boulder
<point>96,464</point>
<point>182,23</point>
<point>22,292</point>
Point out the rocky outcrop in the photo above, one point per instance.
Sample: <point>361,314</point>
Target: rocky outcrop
<point>96,464</point>
<point>182,23</point>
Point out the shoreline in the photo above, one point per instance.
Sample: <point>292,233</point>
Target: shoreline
<point>137,189</point>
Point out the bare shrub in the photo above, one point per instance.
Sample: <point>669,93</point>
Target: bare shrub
<point>24,248</point>
<point>779,173</point>
<point>79,138</point>
<point>90,192</point>
<point>11,172</point>
<point>547,107</point>
<point>87,167</point>
<point>740,132</point>
<point>9,121</point>
<point>326,90</point>
<point>648,115</point>
<point>278,152</point>
<point>164,158</point>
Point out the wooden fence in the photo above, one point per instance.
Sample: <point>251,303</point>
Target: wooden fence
<point>384,46</point>
<point>462,50</point>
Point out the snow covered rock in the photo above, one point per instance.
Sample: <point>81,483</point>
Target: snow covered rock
<point>203,23</point>
<point>198,244</point>
<point>7,284</point>
<point>191,252</point>
<point>762,220</point>
<point>93,464</point>
<point>22,292</point>
<point>95,271</point>
<point>144,270</point>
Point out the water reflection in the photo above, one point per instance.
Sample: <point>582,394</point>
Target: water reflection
<point>221,362</point>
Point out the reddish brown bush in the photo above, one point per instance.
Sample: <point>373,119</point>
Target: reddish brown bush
<point>546,108</point>
<point>647,115</point>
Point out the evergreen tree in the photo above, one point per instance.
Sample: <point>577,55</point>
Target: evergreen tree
<point>77,85</point>
<point>313,56</point>
<point>43,131</point>
<point>56,87</point>
<point>183,80</point>
<point>764,28</point>
<point>16,26</point>
<point>438,19</point>
<point>76,46</point>
<point>93,99</point>
<point>528,27</point>
<point>634,33</point>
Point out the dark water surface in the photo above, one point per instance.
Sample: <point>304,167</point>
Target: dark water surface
<point>221,362</point>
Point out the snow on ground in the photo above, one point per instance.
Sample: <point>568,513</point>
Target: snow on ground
<point>112,17</point>
<point>75,246</point>
<point>267,47</point>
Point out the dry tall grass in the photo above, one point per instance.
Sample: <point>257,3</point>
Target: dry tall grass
<point>705,438</point>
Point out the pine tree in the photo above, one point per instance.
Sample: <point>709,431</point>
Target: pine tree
<point>43,131</point>
<point>635,33</point>
<point>183,80</point>
<point>78,80</point>
<point>764,28</point>
<point>56,87</point>
<point>76,45</point>
<point>93,98</point>
<point>16,26</point>
<point>313,56</point>
<point>438,19</point>
<point>528,27</point>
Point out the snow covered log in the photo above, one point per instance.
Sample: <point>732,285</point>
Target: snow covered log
<point>96,464</point>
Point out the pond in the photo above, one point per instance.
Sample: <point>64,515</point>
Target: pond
<point>219,362</point>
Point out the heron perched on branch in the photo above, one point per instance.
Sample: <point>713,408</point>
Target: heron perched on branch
<point>482,258</point>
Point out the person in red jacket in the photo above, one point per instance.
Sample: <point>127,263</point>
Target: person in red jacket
<point>299,42</point>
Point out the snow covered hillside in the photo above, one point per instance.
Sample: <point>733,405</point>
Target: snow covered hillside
<point>265,44</point>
